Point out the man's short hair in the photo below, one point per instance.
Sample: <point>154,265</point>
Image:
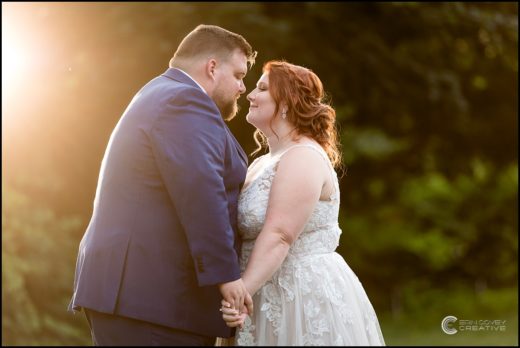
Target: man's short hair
<point>206,40</point>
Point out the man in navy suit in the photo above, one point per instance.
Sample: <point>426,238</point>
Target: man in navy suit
<point>160,251</point>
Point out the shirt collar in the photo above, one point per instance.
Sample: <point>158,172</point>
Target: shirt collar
<point>198,84</point>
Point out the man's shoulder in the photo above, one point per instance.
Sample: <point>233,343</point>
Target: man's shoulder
<point>171,91</point>
<point>180,99</point>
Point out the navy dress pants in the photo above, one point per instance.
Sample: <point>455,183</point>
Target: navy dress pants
<point>114,330</point>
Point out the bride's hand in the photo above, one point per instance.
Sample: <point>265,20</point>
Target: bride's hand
<point>231,316</point>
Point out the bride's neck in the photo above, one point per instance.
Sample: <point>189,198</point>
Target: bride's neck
<point>284,138</point>
<point>278,145</point>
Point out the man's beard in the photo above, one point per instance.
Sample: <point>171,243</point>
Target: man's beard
<point>228,108</point>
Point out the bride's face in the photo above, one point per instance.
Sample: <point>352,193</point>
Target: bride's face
<point>262,105</point>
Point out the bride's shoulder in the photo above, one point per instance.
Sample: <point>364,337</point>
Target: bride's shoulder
<point>257,161</point>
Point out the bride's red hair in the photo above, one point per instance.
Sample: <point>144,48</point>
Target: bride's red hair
<point>302,91</point>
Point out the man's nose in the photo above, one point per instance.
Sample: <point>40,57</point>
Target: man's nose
<point>242,89</point>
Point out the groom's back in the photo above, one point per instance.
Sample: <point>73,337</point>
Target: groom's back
<point>134,258</point>
<point>129,179</point>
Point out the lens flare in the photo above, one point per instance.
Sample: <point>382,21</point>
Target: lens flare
<point>15,59</point>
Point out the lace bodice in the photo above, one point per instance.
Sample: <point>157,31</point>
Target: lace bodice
<point>314,298</point>
<point>321,233</point>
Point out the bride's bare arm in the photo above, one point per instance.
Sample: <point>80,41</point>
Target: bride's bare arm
<point>295,190</point>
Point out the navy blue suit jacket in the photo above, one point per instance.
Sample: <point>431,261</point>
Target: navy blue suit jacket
<point>164,227</point>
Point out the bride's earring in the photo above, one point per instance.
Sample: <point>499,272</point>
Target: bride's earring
<point>284,114</point>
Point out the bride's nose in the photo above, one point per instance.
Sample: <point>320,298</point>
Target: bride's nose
<point>250,97</point>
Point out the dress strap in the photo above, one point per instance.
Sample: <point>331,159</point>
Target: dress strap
<point>314,147</point>
<point>319,149</point>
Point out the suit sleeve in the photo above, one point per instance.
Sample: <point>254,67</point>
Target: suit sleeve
<point>189,141</point>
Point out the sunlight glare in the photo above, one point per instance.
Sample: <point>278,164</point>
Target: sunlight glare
<point>17,51</point>
<point>14,62</point>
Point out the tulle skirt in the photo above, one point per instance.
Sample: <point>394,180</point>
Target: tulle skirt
<point>312,300</point>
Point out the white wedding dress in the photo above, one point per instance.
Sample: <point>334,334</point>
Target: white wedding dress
<point>314,298</point>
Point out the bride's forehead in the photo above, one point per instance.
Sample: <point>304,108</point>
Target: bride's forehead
<point>264,78</point>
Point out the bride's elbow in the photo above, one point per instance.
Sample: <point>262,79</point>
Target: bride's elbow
<point>284,235</point>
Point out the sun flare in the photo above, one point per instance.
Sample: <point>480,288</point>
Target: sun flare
<point>15,55</point>
<point>14,61</point>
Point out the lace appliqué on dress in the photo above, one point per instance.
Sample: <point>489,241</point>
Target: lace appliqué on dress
<point>314,298</point>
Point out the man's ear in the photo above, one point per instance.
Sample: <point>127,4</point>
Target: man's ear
<point>211,66</point>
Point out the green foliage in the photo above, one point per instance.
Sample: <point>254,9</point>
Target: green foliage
<point>37,273</point>
<point>451,231</point>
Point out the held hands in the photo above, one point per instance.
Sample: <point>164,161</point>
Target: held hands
<point>236,296</point>
<point>232,316</point>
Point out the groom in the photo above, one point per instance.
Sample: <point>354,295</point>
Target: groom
<point>160,251</point>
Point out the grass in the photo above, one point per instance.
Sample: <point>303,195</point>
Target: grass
<point>417,331</point>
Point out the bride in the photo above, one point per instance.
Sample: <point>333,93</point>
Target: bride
<point>304,292</point>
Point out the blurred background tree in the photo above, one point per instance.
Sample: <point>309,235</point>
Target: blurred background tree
<point>426,100</point>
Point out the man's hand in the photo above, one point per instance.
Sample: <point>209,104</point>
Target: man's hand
<point>231,316</point>
<point>236,295</point>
